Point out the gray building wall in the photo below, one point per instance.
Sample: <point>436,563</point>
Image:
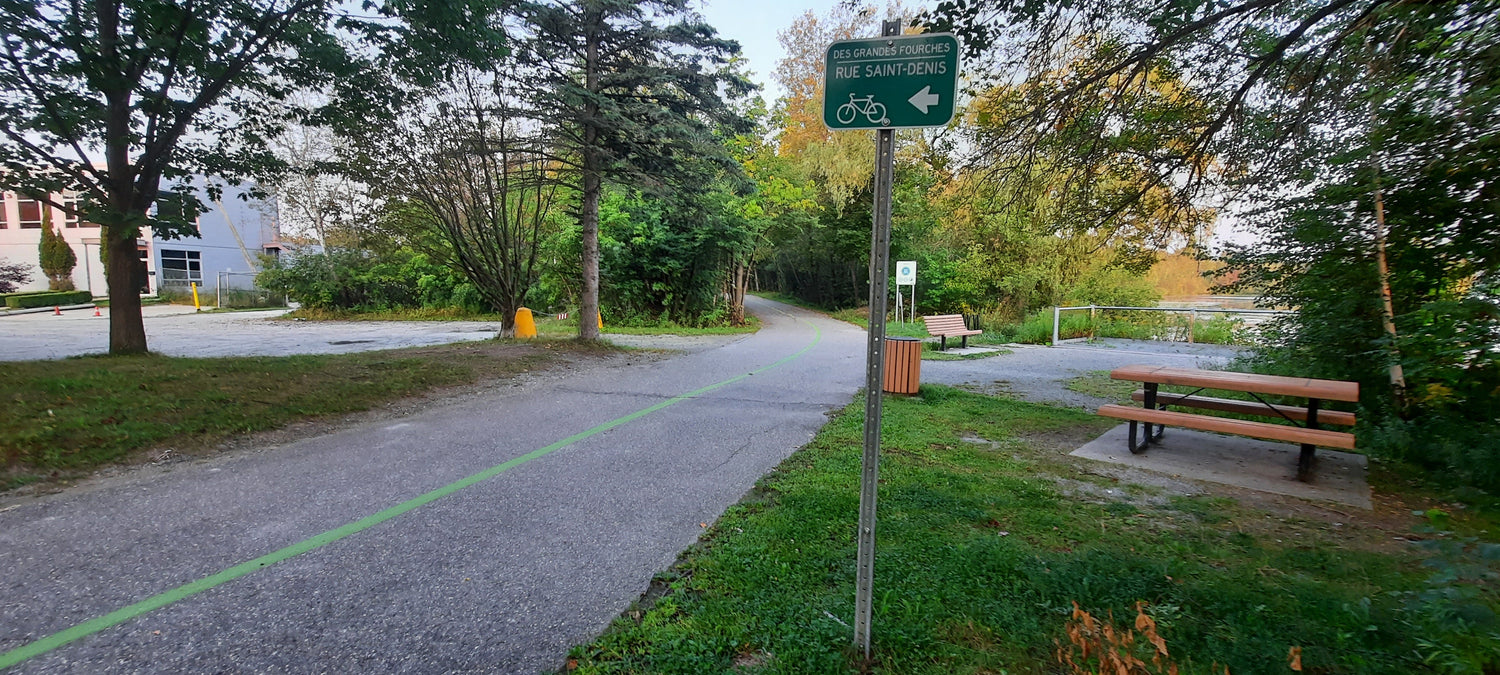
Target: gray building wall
<point>235,232</point>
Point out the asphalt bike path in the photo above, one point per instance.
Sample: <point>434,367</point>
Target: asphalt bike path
<point>488,535</point>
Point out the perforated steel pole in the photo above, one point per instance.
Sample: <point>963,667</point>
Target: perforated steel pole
<point>880,251</point>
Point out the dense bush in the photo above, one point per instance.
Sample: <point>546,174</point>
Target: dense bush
<point>1169,326</point>
<point>1115,287</point>
<point>662,260</point>
<point>353,280</point>
<point>56,258</point>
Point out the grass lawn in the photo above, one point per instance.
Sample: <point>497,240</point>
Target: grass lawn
<point>1098,384</point>
<point>66,417</point>
<point>752,324</point>
<point>930,353</point>
<point>989,534</point>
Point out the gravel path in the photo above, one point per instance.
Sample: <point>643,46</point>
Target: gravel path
<point>178,331</point>
<point>1040,374</point>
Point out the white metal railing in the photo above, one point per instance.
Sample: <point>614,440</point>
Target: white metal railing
<point>1192,313</point>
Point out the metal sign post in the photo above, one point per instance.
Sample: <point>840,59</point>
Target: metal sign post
<point>885,83</point>
<point>880,245</point>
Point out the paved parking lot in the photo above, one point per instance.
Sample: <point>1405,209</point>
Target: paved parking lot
<point>178,331</point>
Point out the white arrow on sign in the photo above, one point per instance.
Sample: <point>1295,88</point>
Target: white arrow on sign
<point>924,99</point>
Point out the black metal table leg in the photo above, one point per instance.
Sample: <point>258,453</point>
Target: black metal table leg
<point>1305,461</point>
<point>1150,404</point>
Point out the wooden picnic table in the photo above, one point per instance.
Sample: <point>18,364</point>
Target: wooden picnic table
<point>1303,421</point>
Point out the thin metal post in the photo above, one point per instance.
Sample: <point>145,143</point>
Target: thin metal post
<point>880,250</point>
<point>1056,316</point>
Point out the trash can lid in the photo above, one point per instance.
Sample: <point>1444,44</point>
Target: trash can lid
<point>903,339</point>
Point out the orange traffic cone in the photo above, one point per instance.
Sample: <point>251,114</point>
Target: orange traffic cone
<point>56,311</point>
<point>96,311</point>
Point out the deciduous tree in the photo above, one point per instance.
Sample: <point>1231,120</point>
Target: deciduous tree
<point>471,166</point>
<point>117,100</point>
<point>12,275</point>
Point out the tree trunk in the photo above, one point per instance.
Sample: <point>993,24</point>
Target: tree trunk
<point>1382,265</point>
<point>508,310</point>
<point>588,309</point>
<point>739,275</point>
<point>127,332</point>
<point>588,306</point>
<point>1387,309</point>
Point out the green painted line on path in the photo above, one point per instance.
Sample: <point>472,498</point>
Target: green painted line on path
<point>160,600</point>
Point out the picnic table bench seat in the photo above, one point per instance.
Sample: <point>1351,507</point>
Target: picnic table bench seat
<point>1154,407</point>
<point>944,326</point>
<point>1339,417</point>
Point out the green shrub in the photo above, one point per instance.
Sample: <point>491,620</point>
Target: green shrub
<point>355,280</point>
<point>1169,326</point>
<point>1115,287</point>
<point>49,299</point>
<point>7,296</point>
<point>174,294</point>
<point>248,298</point>
<point>57,260</point>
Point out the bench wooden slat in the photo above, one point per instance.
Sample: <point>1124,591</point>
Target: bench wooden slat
<point>1305,387</point>
<point>947,324</point>
<point>1274,432</point>
<point>1246,407</point>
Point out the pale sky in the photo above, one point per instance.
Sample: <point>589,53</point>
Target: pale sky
<point>754,24</point>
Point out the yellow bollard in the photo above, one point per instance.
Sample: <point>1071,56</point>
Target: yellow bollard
<point>196,306</point>
<point>525,325</point>
<point>601,320</point>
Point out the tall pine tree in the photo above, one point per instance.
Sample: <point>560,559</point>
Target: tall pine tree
<point>633,92</point>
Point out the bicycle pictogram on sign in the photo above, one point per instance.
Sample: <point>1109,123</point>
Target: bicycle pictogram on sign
<point>875,112</point>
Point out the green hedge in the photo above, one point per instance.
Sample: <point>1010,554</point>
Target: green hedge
<point>48,299</point>
<point>7,296</point>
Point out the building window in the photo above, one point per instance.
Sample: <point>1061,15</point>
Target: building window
<point>72,219</point>
<point>176,207</point>
<point>181,267</point>
<point>31,213</point>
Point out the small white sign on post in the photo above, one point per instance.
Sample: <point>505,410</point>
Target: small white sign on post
<point>906,273</point>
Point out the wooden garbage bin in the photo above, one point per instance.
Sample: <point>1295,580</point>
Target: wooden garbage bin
<point>903,365</point>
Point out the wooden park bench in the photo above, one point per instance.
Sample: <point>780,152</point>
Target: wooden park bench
<point>1304,429</point>
<point>945,326</point>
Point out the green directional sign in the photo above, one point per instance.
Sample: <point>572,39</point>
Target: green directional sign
<point>897,82</point>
